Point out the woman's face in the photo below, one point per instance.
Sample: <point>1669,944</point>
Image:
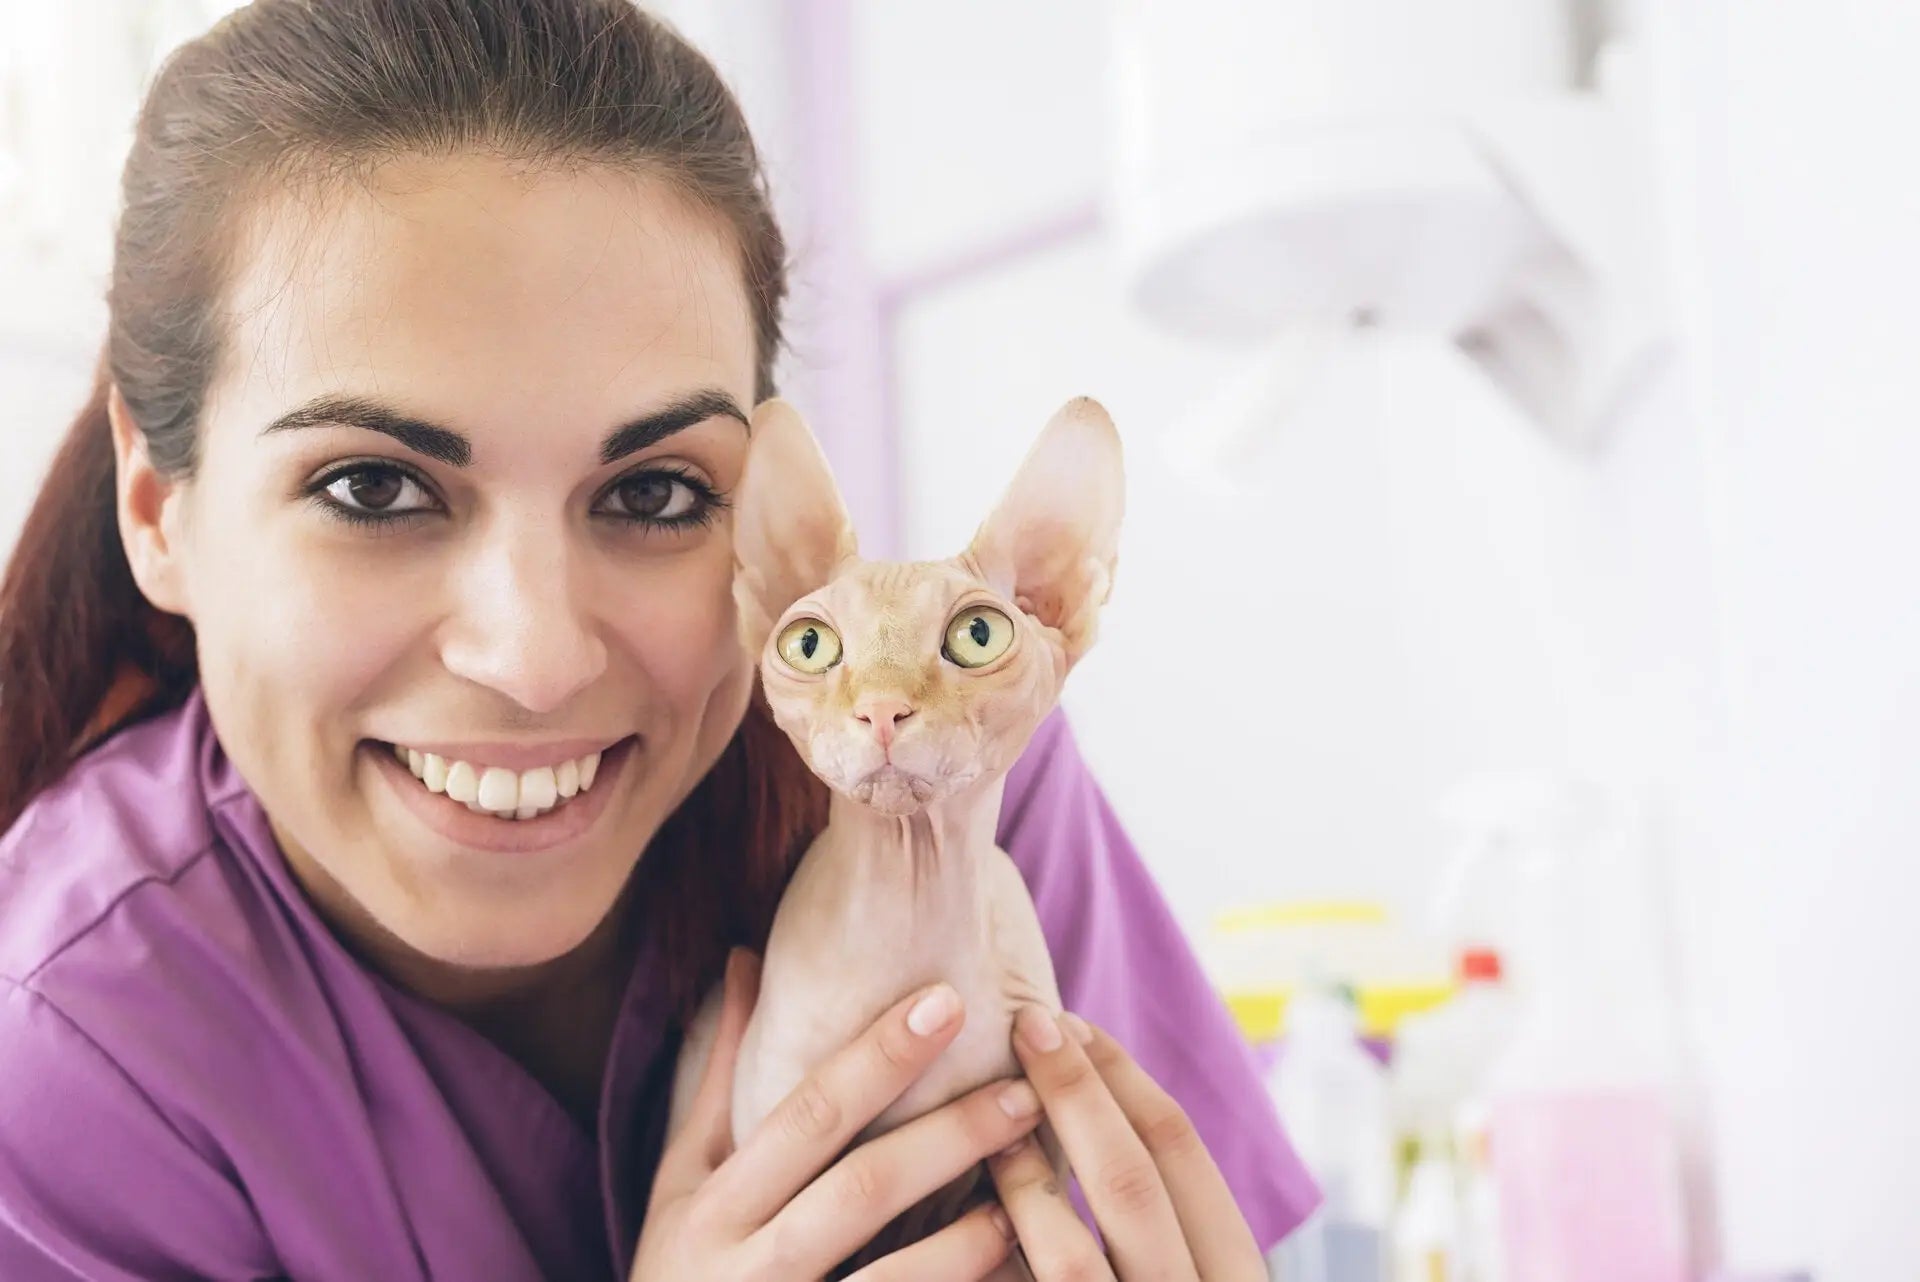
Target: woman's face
<point>461,492</point>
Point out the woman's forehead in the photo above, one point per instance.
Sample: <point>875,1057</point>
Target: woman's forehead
<point>484,292</point>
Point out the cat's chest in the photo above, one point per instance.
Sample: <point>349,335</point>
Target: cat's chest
<point>829,973</point>
<point>992,991</point>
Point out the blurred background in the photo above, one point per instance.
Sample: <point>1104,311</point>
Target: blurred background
<point>1515,645</point>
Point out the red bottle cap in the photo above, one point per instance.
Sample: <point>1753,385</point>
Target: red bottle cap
<point>1480,965</point>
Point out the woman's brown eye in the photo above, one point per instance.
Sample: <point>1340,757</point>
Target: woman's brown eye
<point>371,488</point>
<point>658,497</point>
<point>647,496</point>
<point>375,490</point>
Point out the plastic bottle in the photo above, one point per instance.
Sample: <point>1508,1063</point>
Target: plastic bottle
<point>1332,1095</point>
<point>1584,1148</point>
<point>1442,1057</point>
<point>1485,1012</point>
<point>1482,1256</point>
<point>1442,1063</point>
<point>1426,1231</point>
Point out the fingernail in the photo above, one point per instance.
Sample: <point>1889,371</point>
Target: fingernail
<point>1018,1101</point>
<point>934,1011</point>
<point>1001,1222</point>
<point>1081,1030</point>
<point>1014,1149</point>
<point>1038,1030</point>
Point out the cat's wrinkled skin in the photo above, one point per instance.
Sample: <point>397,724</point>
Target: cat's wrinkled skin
<point>905,886</point>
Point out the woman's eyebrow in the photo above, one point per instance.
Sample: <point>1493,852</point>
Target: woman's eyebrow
<point>450,447</point>
<point>441,443</point>
<point>680,414</point>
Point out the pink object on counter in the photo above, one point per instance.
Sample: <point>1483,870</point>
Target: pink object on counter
<point>1589,1187</point>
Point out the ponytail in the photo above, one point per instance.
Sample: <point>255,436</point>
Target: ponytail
<point>82,653</point>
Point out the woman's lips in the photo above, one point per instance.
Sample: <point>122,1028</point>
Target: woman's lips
<point>453,820</point>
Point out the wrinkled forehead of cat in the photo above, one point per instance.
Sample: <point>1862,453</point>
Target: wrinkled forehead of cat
<point>1048,549</point>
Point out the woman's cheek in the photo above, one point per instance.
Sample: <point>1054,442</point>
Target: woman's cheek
<point>680,626</point>
<point>342,624</point>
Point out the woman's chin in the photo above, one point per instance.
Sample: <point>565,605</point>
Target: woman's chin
<point>504,939</point>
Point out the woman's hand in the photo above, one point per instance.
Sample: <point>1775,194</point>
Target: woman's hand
<point>781,1208</point>
<point>1161,1203</point>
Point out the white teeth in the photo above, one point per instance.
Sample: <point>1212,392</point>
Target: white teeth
<point>499,789</point>
<point>463,783</point>
<point>495,790</point>
<point>538,790</point>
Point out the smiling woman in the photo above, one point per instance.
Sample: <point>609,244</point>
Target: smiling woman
<point>382,777</point>
<point>498,495</point>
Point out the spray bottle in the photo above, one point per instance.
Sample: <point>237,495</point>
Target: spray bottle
<point>1581,1132</point>
<point>1332,1095</point>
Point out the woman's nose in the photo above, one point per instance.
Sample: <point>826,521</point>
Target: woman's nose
<point>520,628</point>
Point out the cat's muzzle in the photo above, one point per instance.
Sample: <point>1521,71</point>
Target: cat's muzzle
<point>892,791</point>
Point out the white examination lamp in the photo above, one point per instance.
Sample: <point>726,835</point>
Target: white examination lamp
<point>1289,171</point>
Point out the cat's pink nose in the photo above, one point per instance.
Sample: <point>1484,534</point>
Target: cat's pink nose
<point>884,715</point>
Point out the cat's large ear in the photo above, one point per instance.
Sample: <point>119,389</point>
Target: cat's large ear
<point>790,527</point>
<point>1053,540</point>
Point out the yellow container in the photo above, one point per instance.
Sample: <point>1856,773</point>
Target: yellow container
<point>1260,951</point>
<point>1262,1013</point>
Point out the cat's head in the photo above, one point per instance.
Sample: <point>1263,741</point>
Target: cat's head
<point>903,683</point>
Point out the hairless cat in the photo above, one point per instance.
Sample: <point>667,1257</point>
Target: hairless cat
<point>909,689</point>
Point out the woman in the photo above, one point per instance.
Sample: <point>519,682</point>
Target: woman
<point>434,326</point>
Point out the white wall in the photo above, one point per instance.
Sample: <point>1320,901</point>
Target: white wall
<point>1793,141</point>
<point>51,327</point>
<point>973,118</point>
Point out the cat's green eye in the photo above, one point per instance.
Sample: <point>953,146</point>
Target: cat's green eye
<point>978,636</point>
<point>809,646</point>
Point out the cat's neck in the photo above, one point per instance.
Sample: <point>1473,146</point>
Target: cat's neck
<point>933,856</point>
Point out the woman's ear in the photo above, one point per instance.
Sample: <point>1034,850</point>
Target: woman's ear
<point>148,506</point>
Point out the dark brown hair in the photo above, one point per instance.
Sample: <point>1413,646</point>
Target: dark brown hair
<point>290,91</point>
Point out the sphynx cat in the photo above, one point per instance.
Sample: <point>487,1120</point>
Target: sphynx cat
<point>909,689</point>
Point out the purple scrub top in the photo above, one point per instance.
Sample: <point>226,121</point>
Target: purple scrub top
<point>197,1080</point>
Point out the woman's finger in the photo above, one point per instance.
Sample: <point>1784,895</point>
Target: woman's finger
<point>832,1217</point>
<point>1223,1245</point>
<point>703,1142</point>
<point>809,1129</point>
<point>965,1251</point>
<point>1122,1185</point>
<point>1051,1235</point>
